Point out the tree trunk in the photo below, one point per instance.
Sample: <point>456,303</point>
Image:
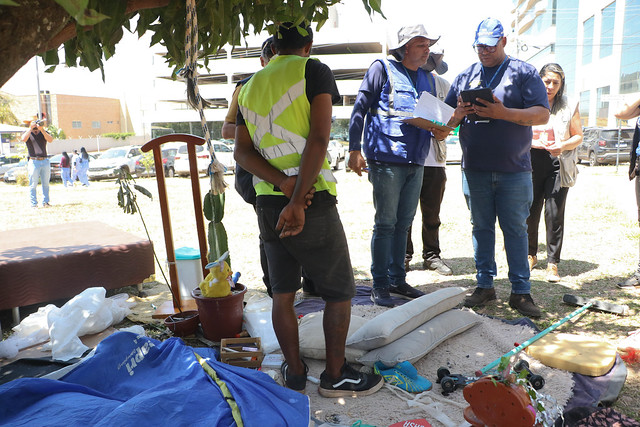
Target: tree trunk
<point>25,30</point>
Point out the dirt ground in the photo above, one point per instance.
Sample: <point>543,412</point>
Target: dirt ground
<point>600,248</point>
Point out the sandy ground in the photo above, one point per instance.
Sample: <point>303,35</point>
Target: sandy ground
<point>600,249</point>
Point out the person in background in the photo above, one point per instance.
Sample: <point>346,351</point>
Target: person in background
<point>433,181</point>
<point>554,170</point>
<point>74,167</point>
<point>282,133</point>
<point>244,179</point>
<point>496,160</point>
<point>82,165</point>
<point>628,112</point>
<point>65,169</point>
<point>36,138</point>
<point>395,153</point>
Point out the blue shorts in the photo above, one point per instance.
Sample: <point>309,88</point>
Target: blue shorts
<point>320,249</point>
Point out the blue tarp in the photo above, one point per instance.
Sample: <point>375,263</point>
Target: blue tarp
<point>134,379</point>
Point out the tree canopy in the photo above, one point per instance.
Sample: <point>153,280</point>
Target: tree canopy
<point>89,30</point>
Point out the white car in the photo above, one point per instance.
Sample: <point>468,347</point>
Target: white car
<point>454,151</point>
<point>223,151</point>
<point>335,154</point>
<point>107,165</point>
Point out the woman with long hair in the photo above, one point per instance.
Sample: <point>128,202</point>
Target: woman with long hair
<point>65,169</point>
<point>553,160</point>
<point>83,167</point>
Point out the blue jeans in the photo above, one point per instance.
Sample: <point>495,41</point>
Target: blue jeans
<point>38,170</point>
<point>507,196</point>
<point>396,191</point>
<point>66,176</point>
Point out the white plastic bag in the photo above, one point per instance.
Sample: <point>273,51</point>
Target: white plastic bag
<point>257,321</point>
<point>89,312</point>
<point>31,331</point>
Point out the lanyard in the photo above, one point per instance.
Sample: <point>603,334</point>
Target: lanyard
<point>406,73</point>
<point>504,61</point>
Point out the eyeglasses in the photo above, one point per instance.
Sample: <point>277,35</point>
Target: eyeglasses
<point>484,48</point>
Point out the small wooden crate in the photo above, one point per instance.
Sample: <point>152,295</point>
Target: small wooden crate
<point>244,352</point>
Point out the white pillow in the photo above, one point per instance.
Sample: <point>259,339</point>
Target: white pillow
<point>423,339</point>
<point>398,321</point>
<point>312,344</point>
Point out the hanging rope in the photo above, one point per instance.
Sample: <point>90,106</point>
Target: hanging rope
<point>190,73</point>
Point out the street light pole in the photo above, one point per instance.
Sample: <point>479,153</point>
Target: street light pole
<point>38,87</point>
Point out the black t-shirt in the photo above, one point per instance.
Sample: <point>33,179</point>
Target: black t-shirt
<point>37,145</point>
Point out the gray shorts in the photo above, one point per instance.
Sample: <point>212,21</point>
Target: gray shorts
<point>320,249</point>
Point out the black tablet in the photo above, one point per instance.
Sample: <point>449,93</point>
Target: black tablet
<point>483,93</point>
<point>470,95</point>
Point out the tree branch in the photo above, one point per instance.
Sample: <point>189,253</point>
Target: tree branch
<point>69,32</point>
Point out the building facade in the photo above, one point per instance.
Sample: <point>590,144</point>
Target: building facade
<point>597,43</point>
<point>77,116</point>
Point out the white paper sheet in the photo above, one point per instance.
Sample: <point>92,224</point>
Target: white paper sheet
<point>431,108</point>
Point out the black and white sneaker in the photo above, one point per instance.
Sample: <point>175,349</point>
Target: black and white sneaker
<point>294,382</point>
<point>350,383</point>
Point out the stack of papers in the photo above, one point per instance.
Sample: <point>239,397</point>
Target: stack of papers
<point>431,112</point>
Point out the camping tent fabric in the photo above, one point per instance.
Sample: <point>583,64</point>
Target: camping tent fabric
<point>134,379</point>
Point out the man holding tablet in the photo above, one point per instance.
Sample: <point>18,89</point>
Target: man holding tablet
<point>496,162</point>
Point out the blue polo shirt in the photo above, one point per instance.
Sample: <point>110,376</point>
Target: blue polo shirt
<point>499,146</point>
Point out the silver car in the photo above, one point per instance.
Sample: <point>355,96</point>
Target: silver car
<point>224,154</point>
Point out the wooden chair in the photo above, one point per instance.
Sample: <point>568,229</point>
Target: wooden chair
<point>155,145</point>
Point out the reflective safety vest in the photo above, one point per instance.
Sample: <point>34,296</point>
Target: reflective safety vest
<point>277,112</point>
<point>387,138</point>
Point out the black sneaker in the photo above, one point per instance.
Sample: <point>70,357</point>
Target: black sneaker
<point>381,297</point>
<point>405,290</point>
<point>480,297</point>
<point>524,304</point>
<point>294,382</point>
<point>438,266</point>
<point>350,383</point>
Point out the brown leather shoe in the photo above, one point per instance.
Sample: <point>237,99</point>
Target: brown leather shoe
<point>533,261</point>
<point>524,304</point>
<point>552,273</point>
<point>480,297</point>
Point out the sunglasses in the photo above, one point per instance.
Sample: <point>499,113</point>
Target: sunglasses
<point>484,48</point>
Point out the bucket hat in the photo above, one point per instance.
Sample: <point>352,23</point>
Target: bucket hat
<point>435,62</point>
<point>405,34</point>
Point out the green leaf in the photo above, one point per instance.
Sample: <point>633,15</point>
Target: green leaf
<point>78,10</point>
<point>8,3</point>
<point>143,190</point>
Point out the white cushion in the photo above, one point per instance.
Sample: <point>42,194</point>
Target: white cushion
<point>399,321</point>
<point>423,339</point>
<point>312,344</point>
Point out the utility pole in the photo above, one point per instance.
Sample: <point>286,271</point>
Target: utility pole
<point>38,101</point>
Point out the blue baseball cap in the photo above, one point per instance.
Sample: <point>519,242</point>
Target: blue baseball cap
<point>489,32</point>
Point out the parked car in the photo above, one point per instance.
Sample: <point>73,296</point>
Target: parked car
<point>454,150</point>
<point>335,154</point>
<point>54,161</point>
<point>168,160</point>
<point>7,162</point>
<point>106,165</point>
<point>16,168</point>
<point>224,154</point>
<point>600,145</point>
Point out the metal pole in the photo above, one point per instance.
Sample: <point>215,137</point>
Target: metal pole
<point>618,147</point>
<point>38,87</point>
